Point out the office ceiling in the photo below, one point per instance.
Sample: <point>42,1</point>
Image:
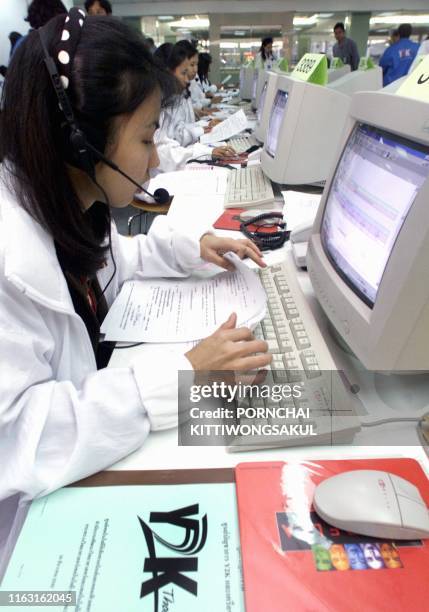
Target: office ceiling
<point>216,6</point>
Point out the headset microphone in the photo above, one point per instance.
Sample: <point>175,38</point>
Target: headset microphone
<point>161,196</point>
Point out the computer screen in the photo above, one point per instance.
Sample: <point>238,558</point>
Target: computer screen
<point>276,118</point>
<point>261,101</point>
<point>375,184</point>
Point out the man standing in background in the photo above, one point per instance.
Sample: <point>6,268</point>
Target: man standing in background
<point>397,58</point>
<point>345,48</point>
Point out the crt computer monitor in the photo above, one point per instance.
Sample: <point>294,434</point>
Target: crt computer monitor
<point>368,254</point>
<point>264,108</point>
<point>359,80</point>
<point>246,82</point>
<point>304,131</point>
<point>337,73</point>
<point>259,81</point>
<point>395,85</point>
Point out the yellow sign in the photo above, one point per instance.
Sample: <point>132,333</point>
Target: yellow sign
<point>313,68</point>
<point>417,84</point>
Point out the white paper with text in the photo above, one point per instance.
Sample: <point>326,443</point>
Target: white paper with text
<point>180,310</point>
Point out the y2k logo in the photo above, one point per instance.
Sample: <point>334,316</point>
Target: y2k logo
<point>166,570</point>
<point>403,53</point>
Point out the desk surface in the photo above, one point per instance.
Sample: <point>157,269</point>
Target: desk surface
<point>161,450</point>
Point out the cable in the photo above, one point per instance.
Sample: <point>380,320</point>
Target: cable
<point>126,346</point>
<point>396,420</point>
<point>94,180</point>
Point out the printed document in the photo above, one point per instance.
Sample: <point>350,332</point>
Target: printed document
<point>227,129</point>
<point>180,310</point>
<point>184,183</point>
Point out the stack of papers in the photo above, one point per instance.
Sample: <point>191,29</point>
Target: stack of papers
<point>181,310</point>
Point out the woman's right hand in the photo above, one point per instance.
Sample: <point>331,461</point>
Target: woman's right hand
<point>230,348</point>
<point>223,152</point>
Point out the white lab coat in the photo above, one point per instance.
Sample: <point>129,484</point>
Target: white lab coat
<point>172,156</point>
<point>178,122</point>
<point>206,86</point>
<point>198,96</point>
<point>60,418</point>
<point>176,138</point>
<point>267,64</point>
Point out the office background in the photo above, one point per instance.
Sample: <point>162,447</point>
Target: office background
<point>231,30</point>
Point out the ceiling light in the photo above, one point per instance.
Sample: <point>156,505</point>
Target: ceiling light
<point>305,21</point>
<point>192,23</point>
<point>396,19</point>
<point>165,18</point>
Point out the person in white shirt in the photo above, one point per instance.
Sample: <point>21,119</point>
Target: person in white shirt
<point>199,100</point>
<point>63,415</point>
<point>265,59</point>
<point>178,134</point>
<point>204,63</point>
<point>202,91</point>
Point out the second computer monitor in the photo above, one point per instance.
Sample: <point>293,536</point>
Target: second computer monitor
<point>259,80</point>
<point>337,73</point>
<point>266,100</point>
<point>246,82</point>
<point>359,80</point>
<point>368,254</point>
<point>304,131</point>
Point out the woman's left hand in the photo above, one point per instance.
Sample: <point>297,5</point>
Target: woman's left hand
<point>213,248</point>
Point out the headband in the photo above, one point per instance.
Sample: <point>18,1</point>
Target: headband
<point>67,46</point>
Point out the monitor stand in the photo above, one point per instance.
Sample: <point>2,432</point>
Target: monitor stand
<point>384,395</point>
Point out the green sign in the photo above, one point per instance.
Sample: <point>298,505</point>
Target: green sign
<point>283,65</point>
<point>337,62</point>
<point>312,68</point>
<point>366,63</point>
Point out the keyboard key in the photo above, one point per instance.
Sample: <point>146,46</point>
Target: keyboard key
<point>292,313</point>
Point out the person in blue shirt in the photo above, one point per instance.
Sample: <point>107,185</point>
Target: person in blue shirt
<point>397,58</point>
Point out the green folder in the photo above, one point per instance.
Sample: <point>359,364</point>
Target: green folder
<point>134,547</point>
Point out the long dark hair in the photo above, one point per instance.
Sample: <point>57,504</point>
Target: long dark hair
<point>189,48</point>
<point>162,53</point>
<point>204,61</point>
<point>113,73</point>
<point>41,11</point>
<point>265,41</point>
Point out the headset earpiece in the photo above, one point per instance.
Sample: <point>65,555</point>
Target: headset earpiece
<point>82,155</point>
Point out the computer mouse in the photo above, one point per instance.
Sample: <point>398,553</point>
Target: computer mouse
<point>373,503</point>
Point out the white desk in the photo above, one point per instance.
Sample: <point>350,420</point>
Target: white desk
<point>161,450</point>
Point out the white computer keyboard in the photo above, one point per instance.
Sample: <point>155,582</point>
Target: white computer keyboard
<point>248,187</point>
<point>300,356</point>
<point>242,143</point>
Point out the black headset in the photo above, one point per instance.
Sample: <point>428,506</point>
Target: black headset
<point>85,155</point>
<point>264,240</point>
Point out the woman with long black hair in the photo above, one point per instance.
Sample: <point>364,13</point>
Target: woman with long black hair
<point>63,415</point>
<point>265,58</point>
